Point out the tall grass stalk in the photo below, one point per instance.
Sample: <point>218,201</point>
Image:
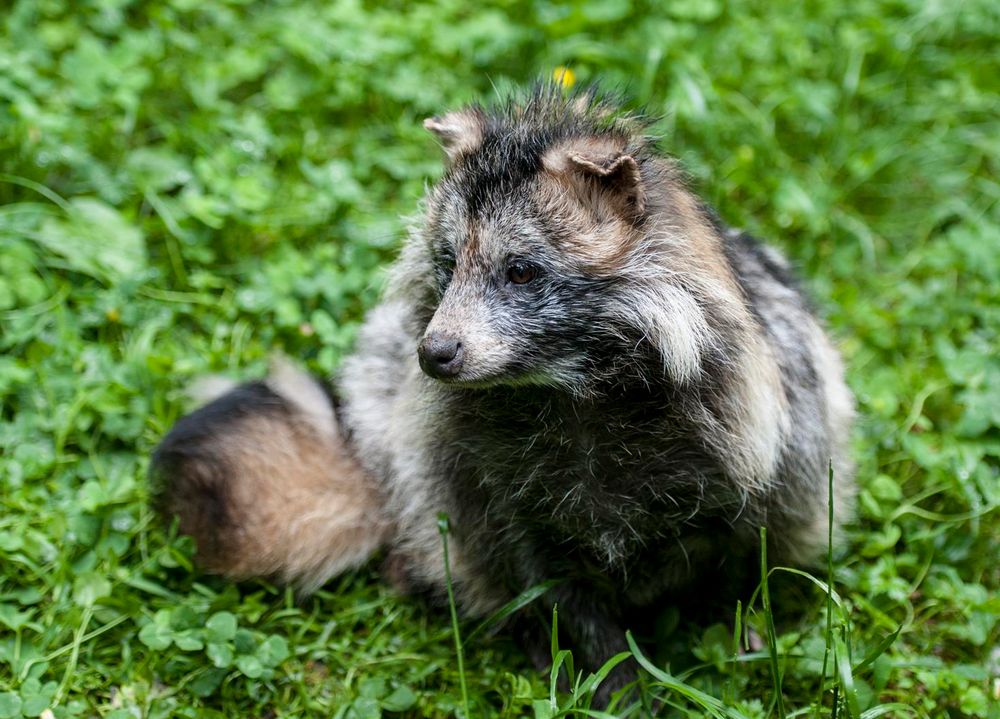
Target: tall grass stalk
<point>444,528</point>
<point>829,589</point>
<point>772,635</point>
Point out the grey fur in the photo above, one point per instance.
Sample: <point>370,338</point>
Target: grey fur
<point>627,419</point>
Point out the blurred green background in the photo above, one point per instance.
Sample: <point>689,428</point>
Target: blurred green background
<point>187,186</point>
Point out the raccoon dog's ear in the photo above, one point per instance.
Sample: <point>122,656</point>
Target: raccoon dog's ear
<point>460,132</point>
<point>611,167</point>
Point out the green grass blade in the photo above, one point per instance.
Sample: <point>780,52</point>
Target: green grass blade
<point>557,663</point>
<point>823,586</point>
<point>884,709</point>
<point>842,659</point>
<point>730,691</point>
<point>444,528</point>
<point>697,697</point>
<point>519,602</point>
<point>593,681</point>
<point>772,635</point>
<point>877,651</point>
<point>828,636</point>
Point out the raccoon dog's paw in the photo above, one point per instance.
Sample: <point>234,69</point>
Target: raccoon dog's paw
<point>262,480</point>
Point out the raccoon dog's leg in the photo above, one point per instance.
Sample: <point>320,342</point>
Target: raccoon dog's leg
<point>262,479</point>
<point>596,635</point>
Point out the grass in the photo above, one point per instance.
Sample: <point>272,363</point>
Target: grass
<point>186,186</point>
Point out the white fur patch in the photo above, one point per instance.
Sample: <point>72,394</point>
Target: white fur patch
<point>675,324</point>
<point>460,132</point>
<point>760,413</point>
<point>209,388</point>
<point>297,387</point>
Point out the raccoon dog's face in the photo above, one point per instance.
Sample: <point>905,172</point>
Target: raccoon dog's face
<point>525,236</point>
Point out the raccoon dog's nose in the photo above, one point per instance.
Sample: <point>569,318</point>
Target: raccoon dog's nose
<point>440,356</point>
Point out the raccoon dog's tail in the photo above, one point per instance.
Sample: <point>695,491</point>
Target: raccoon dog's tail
<point>263,480</point>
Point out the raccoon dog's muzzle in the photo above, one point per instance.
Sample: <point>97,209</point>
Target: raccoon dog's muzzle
<point>441,356</point>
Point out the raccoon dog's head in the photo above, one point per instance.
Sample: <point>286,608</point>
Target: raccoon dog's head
<point>531,238</point>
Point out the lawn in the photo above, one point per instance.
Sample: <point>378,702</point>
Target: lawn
<point>187,186</point>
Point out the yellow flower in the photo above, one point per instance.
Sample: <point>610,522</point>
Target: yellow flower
<point>564,76</point>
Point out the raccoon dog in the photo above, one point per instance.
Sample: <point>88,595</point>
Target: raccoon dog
<point>596,380</point>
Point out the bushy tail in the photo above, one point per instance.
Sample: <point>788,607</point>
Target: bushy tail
<point>263,480</point>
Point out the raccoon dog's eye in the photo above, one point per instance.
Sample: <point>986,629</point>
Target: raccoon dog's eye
<point>521,273</point>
